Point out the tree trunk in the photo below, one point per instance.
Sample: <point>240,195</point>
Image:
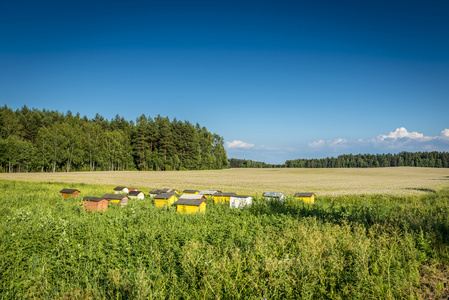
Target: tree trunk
<point>54,161</point>
<point>43,157</point>
<point>90,160</point>
<point>69,160</point>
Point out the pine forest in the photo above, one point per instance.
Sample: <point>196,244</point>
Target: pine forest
<point>432,159</point>
<point>32,140</point>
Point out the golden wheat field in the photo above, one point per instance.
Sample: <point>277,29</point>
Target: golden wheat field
<point>332,182</point>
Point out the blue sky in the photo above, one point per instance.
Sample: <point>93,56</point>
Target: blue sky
<point>277,79</point>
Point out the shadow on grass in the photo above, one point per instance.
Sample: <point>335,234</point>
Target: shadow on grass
<point>444,178</point>
<point>421,190</point>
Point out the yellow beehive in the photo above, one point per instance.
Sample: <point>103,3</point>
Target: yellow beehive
<point>166,199</point>
<point>170,191</point>
<point>222,197</point>
<point>190,192</point>
<point>190,206</point>
<point>208,194</point>
<point>116,199</point>
<point>306,197</point>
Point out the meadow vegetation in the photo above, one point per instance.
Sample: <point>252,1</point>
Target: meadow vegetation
<point>372,246</point>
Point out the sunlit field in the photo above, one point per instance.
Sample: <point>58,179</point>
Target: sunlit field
<point>329,182</point>
<point>372,234</point>
<point>342,247</point>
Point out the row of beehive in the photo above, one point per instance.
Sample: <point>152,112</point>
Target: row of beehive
<point>100,203</point>
<point>190,201</point>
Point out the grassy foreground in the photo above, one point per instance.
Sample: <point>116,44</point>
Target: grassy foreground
<point>364,246</point>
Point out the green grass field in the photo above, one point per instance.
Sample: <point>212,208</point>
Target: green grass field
<point>371,246</point>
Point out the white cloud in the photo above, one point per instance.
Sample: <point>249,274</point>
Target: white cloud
<point>330,143</point>
<point>398,140</point>
<point>318,143</point>
<point>400,133</point>
<point>338,141</point>
<point>238,144</point>
<point>395,141</point>
<point>445,133</point>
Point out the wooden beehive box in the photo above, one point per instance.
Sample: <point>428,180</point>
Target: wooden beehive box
<point>95,204</point>
<point>66,193</point>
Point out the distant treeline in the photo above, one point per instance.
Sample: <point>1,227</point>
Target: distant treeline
<point>416,159</point>
<point>247,163</point>
<point>34,140</point>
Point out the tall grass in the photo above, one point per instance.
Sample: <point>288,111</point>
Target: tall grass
<point>370,247</point>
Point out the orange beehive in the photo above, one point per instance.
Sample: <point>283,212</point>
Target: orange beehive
<point>66,193</point>
<point>95,204</point>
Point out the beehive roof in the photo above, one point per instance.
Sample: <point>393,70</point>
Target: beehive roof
<point>166,196</point>
<point>223,194</point>
<point>304,194</point>
<point>135,193</point>
<point>190,191</point>
<point>169,190</point>
<point>69,191</point>
<point>191,202</point>
<point>273,194</point>
<point>192,197</point>
<point>119,188</point>
<point>208,192</point>
<point>94,199</point>
<point>113,197</point>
